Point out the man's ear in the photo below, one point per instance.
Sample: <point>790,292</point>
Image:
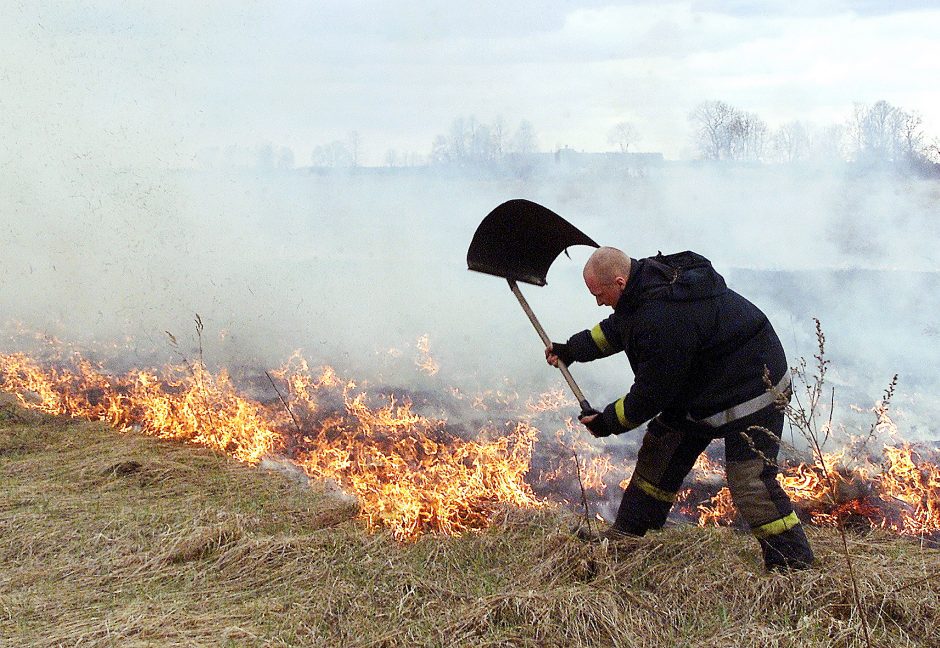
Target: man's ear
<point>621,281</point>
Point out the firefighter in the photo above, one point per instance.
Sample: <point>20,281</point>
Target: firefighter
<point>703,358</point>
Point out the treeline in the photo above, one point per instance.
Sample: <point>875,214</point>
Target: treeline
<point>470,142</point>
<point>877,134</point>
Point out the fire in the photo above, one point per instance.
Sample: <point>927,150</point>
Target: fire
<point>595,471</point>
<point>412,473</point>
<point>903,496</point>
<point>409,473</point>
<point>425,361</point>
<point>718,510</point>
<point>705,466</point>
<point>916,483</point>
<point>183,403</point>
<point>554,400</point>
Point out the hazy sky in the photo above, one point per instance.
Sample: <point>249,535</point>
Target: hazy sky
<point>155,82</point>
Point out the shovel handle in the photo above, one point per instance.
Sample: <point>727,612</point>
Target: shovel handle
<point>582,401</point>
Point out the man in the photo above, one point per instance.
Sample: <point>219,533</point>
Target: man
<point>700,353</point>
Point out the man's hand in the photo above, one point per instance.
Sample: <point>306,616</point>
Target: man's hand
<point>596,423</point>
<point>558,351</point>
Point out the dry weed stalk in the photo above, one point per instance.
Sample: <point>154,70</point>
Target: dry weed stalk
<point>584,500</point>
<point>881,417</point>
<point>805,417</point>
<point>284,403</point>
<point>197,370</point>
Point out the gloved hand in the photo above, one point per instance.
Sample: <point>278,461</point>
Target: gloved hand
<point>596,423</point>
<point>561,350</point>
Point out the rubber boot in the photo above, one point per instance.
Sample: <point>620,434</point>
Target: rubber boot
<point>787,551</point>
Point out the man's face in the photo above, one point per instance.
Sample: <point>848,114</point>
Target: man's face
<point>607,293</point>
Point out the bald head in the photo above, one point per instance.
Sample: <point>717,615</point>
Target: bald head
<point>606,274</point>
<point>606,264</point>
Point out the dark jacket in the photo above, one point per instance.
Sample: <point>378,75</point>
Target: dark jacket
<point>696,347</point>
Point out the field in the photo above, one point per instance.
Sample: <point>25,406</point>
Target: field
<point>124,540</point>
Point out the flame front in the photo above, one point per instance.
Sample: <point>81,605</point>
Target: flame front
<point>903,496</point>
<point>412,473</point>
<point>917,484</point>
<point>408,473</point>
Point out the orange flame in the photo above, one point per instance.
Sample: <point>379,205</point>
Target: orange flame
<point>916,484</point>
<point>718,510</point>
<point>409,473</point>
<point>184,403</point>
<point>425,361</point>
<point>907,487</point>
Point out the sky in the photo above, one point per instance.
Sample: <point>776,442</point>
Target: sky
<point>153,83</point>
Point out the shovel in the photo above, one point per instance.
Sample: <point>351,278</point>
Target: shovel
<point>518,241</point>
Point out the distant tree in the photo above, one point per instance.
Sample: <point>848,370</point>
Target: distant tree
<point>334,155</point>
<point>470,142</point>
<point>855,129</point>
<point>711,121</point>
<point>885,133</point>
<point>912,136</point>
<point>722,132</point>
<point>354,147</point>
<point>878,128</point>
<point>623,134</point>
<point>748,134</point>
<point>481,145</point>
<point>932,151</point>
<point>524,140</point>
<point>456,142</point>
<point>791,142</point>
<point>440,151</point>
<point>396,158</point>
<point>499,135</point>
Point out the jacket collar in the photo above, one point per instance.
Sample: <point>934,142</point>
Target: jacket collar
<point>630,297</point>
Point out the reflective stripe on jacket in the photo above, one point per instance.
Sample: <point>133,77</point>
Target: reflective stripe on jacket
<point>696,347</point>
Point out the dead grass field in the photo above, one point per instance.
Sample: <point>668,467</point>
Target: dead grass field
<point>122,540</point>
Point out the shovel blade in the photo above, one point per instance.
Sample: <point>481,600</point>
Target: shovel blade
<point>520,240</point>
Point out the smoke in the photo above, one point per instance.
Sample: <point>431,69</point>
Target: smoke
<point>353,268</point>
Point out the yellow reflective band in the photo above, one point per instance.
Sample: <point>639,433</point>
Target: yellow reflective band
<point>776,527</point>
<point>654,491</point>
<point>601,340</point>
<point>618,407</point>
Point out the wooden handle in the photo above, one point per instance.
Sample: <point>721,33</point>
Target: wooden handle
<point>582,401</point>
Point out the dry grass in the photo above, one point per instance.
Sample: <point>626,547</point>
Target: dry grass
<point>128,541</point>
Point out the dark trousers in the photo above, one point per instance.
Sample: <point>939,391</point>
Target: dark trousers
<point>669,450</point>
